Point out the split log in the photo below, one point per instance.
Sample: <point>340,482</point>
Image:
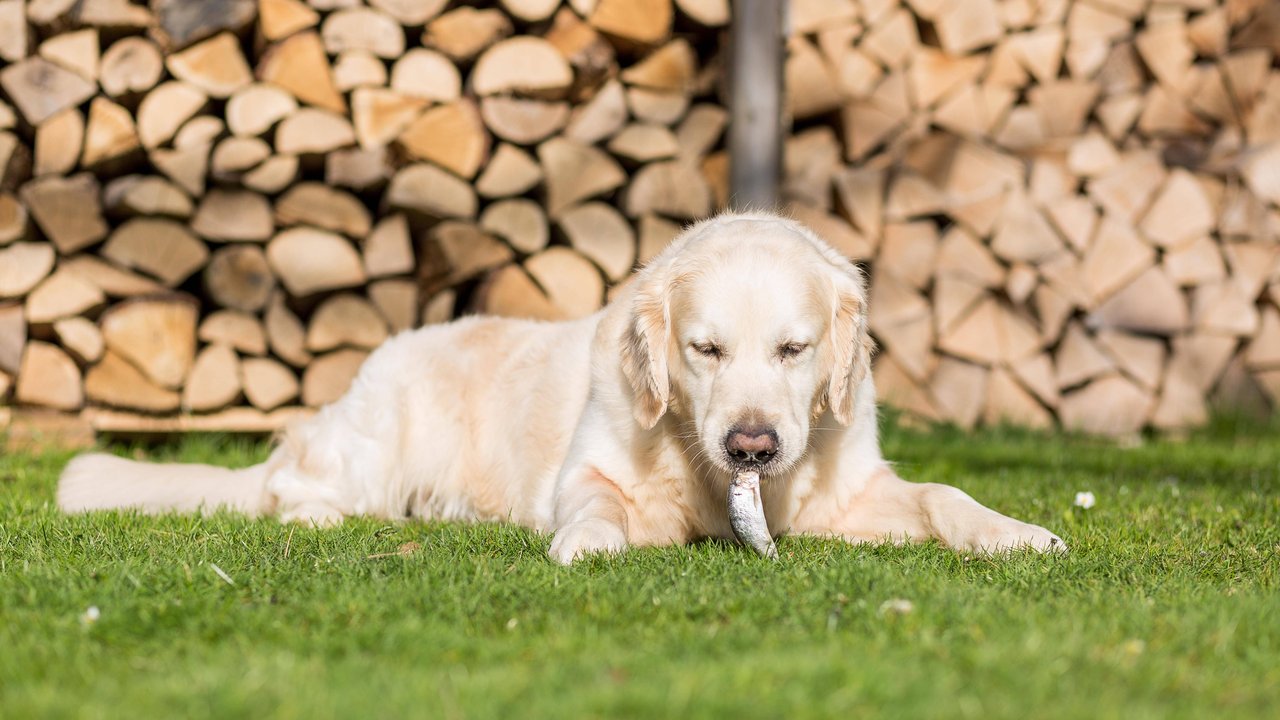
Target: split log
<point>603,235</point>
<point>285,333</point>
<point>186,167</point>
<point>439,309</point>
<point>700,130</point>
<point>163,249</point>
<point>108,278</point>
<point>356,69</point>
<point>426,74</point>
<point>357,169</point>
<point>130,66</point>
<point>267,383</point>
<point>279,19</point>
<point>634,22</point>
<point>433,192</point>
<point>146,195</point>
<point>654,234</point>
<point>467,250</point>
<point>58,143</point>
<point>233,216</point>
<point>81,338</point>
<point>345,320</point>
<point>62,294</point>
<point>672,188</point>
<point>48,378</point>
<point>576,172</point>
<point>299,65</point>
<point>465,32</point>
<point>214,382</point>
<point>510,171</point>
<point>451,136</point>
<point>13,219</point>
<point>657,106</point>
<point>362,29</point>
<point>410,12</point>
<point>183,22</point>
<point>238,277</point>
<point>510,292</point>
<point>592,57</point>
<point>255,109</point>
<point>327,377</point>
<point>115,382</point>
<point>165,109</point>
<point>531,11</point>
<point>600,117</point>
<point>380,115</point>
<point>13,337</point>
<point>22,266</point>
<point>156,335</point>
<point>525,65</point>
<point>523,121</point>
<point>313,131</point>
<point>235,329</point>
<point>13,33</point>
<point>571,282</point>
<point>960,391</point>
<point>388,249</point>
<point>1108,406</point>
<point>273,175</point>
<point>319,205</point>
<point>1140,358</point>
<point>41,89</point>
<point>308,260</point>
<point>234,156</point>
<point>642,143</point>
<point>397,302</point>
<point>215,66</point>
<point>518,221</point>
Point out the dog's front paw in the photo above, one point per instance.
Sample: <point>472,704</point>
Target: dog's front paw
<point>1015,535</point>
<point>579,539</point>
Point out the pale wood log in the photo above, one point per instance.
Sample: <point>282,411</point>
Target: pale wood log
<point>909,252</point>
<point>1263,351</point>
<point>510,171</point>
<point>1151,304</point>
<point>108,278</point>
<point>233,216</point>
<point>594,58</point>
<point>356,69</point>
<point>22,266</point>
<point>525,65</point>
<point>1180,406</point>
<point>700,130</point>
<point>236,329</point>
<point>1166,113</point>
<point>520,222</point>
<point>576,172</point>
<point>1108,406</point>
<point>146,195</point>
<point>1118,113</point>
<point>1261,173</point>
<point>1196,263</point>
<point>671,188</point>
<point>131,65</point>
<point>510,292</point>
<point>963,255</point>
<point>15,161</point>
<point>274,174</point>
<point>953,297</point>
<point>397,302</point>
<point>1226,307</point>
<point>431,191</point>
<point>657,106</point>
<point>1128,187</point>
<point>603,235</point>
<point>214,382</point>
<point>1180,212</point>
<point>345,320</point>
<point>893,39</point>
<point>236,420</point>
<point>1201,358</point>
<point>531,10</point>
<point>900,390</point>
<point>14,40</point>
<point>439,309</point>
<point>309,260</point>
<point>6,382</point>
<point>523,121</point>
<point>13,219</point>
<point>654,234</point>
<point>633,22</point>
<point>183,22</point>
<point>1075,219</point>
<point>216,66</point>
<point>285,333</point>
<point>1022,233</point>
<point>861,193</point>
<point>644,142</point>
<point>161,248</point>
<point>600,117</point>
<point>327,377</point>
<point>1115,258</point>
<point>255,109</point>
<point>934,74</point>
<point>1041,51</point>
<point>48,378</point>
<point>1254,264</point>
<point>185,167</point>
<point>239,277</point>
<point>235,156</point>
<point>268,384</point>
<point>13,337</point>
<point>709,13</point>
<point>313,131</point>
<point>912,196</point>
<point>1008,402</point>
<point>116,382</point>
<point>76,51</point>
<point>410,12</point>
<point>464,32</point>
<point>894,304</point>
<point>835,230</point>
<point>451,136</point>
<point>959,391</point>
<point>380,115</point>
<point>165,109</point>
<point>358,169</point>
<point>362,29</point>
<point>158,335</point>
<point>963,27</point>
<point>199,131</point>
<point>68,210</point>
<point>911,344</point>
<point>1140,358</point>
<point>388,249</point>
<point>299,65</point>
<point>279,19</point>
<point>426,74</point>
<point>312,203</point>
<point>671,67</point>
<point>991,334</point>
<point>1078,360</point>
<point>41,89</point>
<point>468,250</point>
<point>58,143</point>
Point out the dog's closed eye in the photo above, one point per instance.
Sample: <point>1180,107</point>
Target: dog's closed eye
<point>790,350</point>
<point>707,349</point>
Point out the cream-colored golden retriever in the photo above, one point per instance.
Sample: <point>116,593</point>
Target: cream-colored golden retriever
<point>742,346</point>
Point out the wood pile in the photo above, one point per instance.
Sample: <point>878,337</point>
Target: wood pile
<point>214,209</point>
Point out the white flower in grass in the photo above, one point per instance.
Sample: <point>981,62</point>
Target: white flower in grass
<point>90,615</point>
<point>1085,500</point>
<point>896,606</point>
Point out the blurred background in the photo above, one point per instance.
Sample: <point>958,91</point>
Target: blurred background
<point>212,210</point>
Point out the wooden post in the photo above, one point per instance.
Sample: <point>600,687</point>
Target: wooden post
<point>755,100</point>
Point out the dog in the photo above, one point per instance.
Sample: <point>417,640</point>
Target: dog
<point>742,346</point>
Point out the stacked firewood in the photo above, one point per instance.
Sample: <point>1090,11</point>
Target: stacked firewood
<point>1068,209</point>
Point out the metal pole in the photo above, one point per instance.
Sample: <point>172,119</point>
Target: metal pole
<point>755,103</point>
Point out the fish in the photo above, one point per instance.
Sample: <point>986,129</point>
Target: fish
<point>746,514</point>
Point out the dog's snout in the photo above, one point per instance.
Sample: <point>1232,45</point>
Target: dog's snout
<point>751,444</point>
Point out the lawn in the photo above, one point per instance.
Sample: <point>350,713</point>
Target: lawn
<point>1167,606</point>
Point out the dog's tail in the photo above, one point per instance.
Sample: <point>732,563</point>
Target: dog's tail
<point>101,482</point>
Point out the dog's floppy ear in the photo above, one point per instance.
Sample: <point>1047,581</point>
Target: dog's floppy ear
<point>644,352</point>
<point>851,342</point>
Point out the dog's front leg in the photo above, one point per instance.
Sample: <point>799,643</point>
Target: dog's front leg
<point>890,508</point>
<point>590,516</point>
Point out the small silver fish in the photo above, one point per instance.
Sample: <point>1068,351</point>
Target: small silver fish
<point>746,514</point>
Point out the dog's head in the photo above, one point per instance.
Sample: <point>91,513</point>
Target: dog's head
<point>749,327</point>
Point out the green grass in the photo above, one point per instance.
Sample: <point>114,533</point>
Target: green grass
<point>1167,606</point>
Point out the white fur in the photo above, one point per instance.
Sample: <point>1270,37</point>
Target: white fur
<point>606,431</point>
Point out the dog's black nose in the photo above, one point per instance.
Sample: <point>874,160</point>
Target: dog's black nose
<point>751,444</point>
